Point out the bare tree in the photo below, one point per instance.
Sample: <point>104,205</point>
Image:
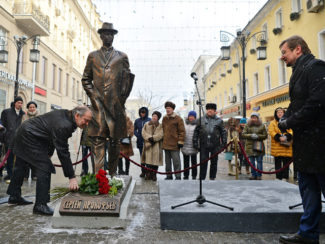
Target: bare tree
<point>147,98</point>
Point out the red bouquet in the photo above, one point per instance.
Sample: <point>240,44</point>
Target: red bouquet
<point>102,182</point>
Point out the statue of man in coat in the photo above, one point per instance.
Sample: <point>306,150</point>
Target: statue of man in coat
<point>107,80</point>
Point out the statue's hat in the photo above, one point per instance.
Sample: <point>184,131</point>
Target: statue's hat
<point>107,27</point>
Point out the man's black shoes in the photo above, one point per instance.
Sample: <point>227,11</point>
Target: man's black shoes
<point>43,209</point>
<point>296,238</point>
<point>18,201</point>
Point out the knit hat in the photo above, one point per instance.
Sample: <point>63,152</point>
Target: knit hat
<point>192,113</point>
<point>211,106</point>
<point>31,102</point>
<point>18,98</point>
<point>255,114</point>
<point>157,113</point>
<point>170,104</point>
<point>243,121</point>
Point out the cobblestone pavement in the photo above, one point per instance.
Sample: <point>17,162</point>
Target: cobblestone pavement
<point>19,225</point>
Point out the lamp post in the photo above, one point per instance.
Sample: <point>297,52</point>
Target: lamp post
<point>19,42</point>
<point>242,39</point>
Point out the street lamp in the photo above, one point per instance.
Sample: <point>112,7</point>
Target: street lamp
<point>242,39</point>
<point>19,43</point>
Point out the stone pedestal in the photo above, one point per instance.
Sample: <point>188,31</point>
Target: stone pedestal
<point>83,211</point>
<point>259,206</point>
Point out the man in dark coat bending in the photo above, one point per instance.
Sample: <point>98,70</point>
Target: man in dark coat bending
<point>34,144</point>
<point>306,117</point>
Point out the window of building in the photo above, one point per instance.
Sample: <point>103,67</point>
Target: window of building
<point>253,42</point>
<point>296,6</point>
<point>44,70</point>
<point>3,98</point>
<point>59,79</point>
<point>256,84</point>
<point>73,88</point>
<point>246,88</point>
<point>278,18</point>
<point>220,101</point>
<point>78,90</point>
<point>238,92</point>
<point>231,94</point>
<point>321,40</point>
<point>225,99</point>
<point>265,34</point>
<point>53,76</point>
<point>267,78</point>
<point>21,61</point>
<point>282,72</point>
<point>3,41</point>
<point>41,106</point>
<point>67,84</point>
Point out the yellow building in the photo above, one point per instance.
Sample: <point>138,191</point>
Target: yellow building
<point>68,32</point>
<point>266,80</point>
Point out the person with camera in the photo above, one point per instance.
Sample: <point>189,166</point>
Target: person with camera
<point>281,145</point>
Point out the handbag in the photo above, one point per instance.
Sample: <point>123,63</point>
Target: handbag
<point>258,146</point>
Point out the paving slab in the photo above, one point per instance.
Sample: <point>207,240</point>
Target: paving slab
<point>259,206</point>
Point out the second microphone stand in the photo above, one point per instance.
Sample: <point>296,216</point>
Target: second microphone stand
<point>200,199</point>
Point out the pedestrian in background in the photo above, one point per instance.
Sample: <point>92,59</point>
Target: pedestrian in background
<point>254,133</point>
<point>174,135</point>
<point>152,155</point>
<point>31,112</point>
<point>210,136</point>
<point>232,132</point>
<point>306,117</point>
<point>188,150</point>
<point>281,147</point>
<point>11,119</point>
<point>138,126</point>
<point>242,159</point>
<point>126,149</point>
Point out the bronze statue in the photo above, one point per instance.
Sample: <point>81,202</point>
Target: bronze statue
<point>108,82</point>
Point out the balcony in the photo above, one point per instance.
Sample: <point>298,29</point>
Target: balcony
<point>30,18</point>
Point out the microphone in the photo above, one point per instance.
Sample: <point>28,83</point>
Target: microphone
<point>193,75</point>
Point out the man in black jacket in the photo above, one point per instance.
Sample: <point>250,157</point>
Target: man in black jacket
<point>209,136</point>
<point>11,120</point>
<point>306,117</point>
<point>34,144</point>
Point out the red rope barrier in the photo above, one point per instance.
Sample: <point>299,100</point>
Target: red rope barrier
<point>261,171</point>
<point>78,162</point>
<point>5,159</point>
<point>179,171</point>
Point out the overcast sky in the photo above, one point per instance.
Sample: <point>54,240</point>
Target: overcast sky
<point>164,38</point>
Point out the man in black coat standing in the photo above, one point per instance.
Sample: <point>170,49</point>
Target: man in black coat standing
<point>11,120</point>
<point>306,117</point>
<point>34,144</point>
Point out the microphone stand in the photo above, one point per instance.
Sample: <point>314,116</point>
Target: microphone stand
<point>200,199</point>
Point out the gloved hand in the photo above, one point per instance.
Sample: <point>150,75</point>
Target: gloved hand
<point>151,140</point>
<point>254,136</point>
<point>180,145</point>
<point>283,125</point>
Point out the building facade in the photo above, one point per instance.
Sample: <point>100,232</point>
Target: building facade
<point>68,32</point>
<point>267,80</point>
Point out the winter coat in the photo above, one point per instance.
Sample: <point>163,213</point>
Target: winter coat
<point>107,80</point>
<point>127,149</point>
<point>254,128</point>
<point>231,134</point>
<point>174,132</point>
<point>211,134</point>
<point>188,148</point>
<point>152,154</point>
<point>11,121</point>
<point>37,138</point>
<point>138,125</point>
<point>29,115</point>
<point>278,150</point>
<point>306,114</point>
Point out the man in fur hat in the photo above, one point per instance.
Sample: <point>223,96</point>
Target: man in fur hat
<point>107,81</point>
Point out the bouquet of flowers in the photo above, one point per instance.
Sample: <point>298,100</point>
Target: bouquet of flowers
<point>93,185</point>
